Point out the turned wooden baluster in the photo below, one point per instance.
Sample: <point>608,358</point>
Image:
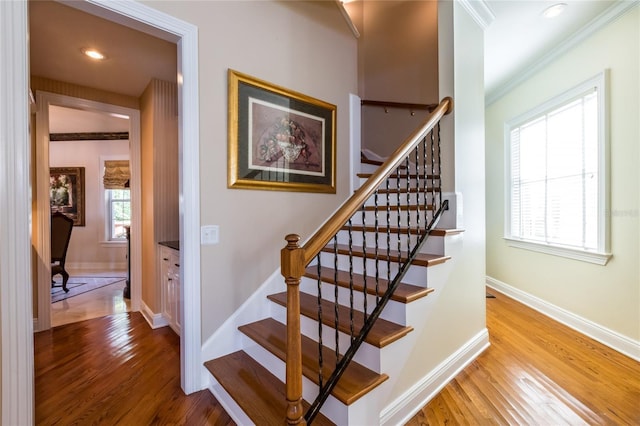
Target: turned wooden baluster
<point>292,268</point>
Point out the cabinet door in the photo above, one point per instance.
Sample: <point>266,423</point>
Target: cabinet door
<point>176,288</point>
<point>165,279</point>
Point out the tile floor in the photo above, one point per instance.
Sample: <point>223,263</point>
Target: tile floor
<point>103,301</point>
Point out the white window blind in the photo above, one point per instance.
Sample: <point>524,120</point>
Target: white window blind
<point>556,176</point>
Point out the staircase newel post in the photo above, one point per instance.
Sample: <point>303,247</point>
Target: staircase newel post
<point>292,268</point>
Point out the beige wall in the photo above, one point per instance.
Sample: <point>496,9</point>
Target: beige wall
<point>398,63</point>
<point>457,313</point>
<point>159,167</point>
<point>303,46</point>
<point>608,296</point>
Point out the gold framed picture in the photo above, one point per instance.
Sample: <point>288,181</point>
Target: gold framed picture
<point>66,192</point>
<point>279,139</point>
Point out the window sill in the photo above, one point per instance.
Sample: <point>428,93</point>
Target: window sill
<point>571,253</point>
<point>113,244</point>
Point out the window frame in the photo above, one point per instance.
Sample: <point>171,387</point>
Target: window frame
<point>109,215</point>
<point>106,205</point>
<point>602,254</point>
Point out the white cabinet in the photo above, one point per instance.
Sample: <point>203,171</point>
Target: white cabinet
<point>170,278</point>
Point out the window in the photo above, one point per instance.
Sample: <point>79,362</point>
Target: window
<point>118,213</point>
<point>557,179</point>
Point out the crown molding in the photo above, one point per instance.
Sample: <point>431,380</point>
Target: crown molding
<point>608,16</point>
<point>479,11</point>
<point>347,18</point>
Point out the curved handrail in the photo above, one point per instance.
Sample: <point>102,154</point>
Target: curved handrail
<point>320,239</point>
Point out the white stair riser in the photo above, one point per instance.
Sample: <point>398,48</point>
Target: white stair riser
<point>416,275</point>
<point>410,220</point>
<point>367,355</point>
<point>394,199</point>
<point>403,180</point>
<point>369,241</point>
<point>393,311</point>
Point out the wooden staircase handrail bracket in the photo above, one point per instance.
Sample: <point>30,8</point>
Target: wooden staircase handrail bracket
<point>294,258</point>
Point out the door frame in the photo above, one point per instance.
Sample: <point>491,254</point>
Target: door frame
<point>16,304</point>
<point>43,242</point>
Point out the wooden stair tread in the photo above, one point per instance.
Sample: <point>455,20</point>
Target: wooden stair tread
<point>404,293</point>
<point>422,259</point>
<point>382,333</point>
<point>258,392</point>
<point>356,380</point>
<point>441,232</point>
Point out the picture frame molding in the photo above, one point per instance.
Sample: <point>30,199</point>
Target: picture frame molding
<point>240,126</point>
<point>77,212</point>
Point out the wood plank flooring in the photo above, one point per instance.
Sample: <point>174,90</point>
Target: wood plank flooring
<point>538,372</point>
<point>117,371</point>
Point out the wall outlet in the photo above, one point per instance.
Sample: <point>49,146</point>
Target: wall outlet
<point>209,234</point>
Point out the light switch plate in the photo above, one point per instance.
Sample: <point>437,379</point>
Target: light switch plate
<point>209,234</point>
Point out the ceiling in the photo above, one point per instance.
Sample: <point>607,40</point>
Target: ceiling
<point>517,37</point>
<point>520,35</point>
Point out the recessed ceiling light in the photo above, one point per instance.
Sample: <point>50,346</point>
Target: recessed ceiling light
<point>554,10</point>
<point>94,54</point>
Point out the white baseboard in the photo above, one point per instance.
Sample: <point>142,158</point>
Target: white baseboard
<point>104,266</point>
<point>407,405</point>
<point>610,338</point>
<point>154,320</point>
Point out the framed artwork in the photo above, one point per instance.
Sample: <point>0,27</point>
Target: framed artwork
<point>66,192</point>
<point>279,139</point>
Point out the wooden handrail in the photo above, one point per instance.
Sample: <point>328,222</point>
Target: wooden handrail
<point>339,218</point>
<point>405,105</point>
<point>294,258</point>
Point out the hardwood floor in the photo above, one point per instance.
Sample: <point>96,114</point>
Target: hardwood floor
<point>116,370</point>
<point>538,372</point>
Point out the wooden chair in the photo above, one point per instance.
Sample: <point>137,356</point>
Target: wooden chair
<point>61,227</point>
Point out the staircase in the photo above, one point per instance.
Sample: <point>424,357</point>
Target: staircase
<point>350,302</point>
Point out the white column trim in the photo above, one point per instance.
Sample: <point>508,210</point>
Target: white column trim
<point>144,18</point>
<point>16,312</point>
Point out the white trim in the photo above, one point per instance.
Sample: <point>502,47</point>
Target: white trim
<point>611,14</point>
<point>568,252</point>
<point>355,139</point>
<point>44,100</point>
<point>154,320</point>
<point>143,18</point>
<point>97,266</point>
<point>600,256</point>
<point>610,338</point>
<point>479,11</point>
<point>347,18</point>
<point>410,402</point>
<point>16,302</point>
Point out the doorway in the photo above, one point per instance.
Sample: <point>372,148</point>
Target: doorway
<point>45,102</point>
<point>17,310</point>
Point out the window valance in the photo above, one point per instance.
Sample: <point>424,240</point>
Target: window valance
<point>116,174</point>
